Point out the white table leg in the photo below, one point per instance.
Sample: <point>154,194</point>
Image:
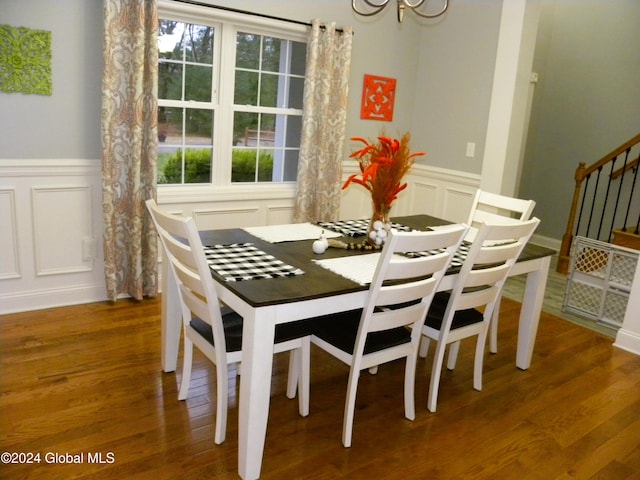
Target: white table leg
<point>171,321</point>
<point>530,313</point>
<point>255,390</point>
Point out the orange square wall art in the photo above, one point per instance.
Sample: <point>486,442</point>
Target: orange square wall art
<point>378,95</point>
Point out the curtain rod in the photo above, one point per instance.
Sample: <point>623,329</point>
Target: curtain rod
<point>246,12</point>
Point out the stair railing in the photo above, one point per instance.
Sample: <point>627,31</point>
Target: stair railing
<point>602,204</point>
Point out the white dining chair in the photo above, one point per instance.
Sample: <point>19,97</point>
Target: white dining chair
<point>217,330</point>
<point>389,325</point>
<point>494,208</point>
<point>455,315</point>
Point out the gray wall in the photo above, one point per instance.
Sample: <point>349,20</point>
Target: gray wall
<point>456,63</point>
<point>67,123</point>
<point>587,101</point>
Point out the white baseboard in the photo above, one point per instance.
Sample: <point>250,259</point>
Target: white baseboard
<point>548,242</point>
<point>628,340</point>
<point>51,298</point>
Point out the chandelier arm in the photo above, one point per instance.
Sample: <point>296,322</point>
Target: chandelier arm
<point>412,5</point>
<point>427,15</point>
<point>378,8</point>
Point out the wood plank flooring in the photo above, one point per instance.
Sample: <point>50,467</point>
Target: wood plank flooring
<point>87,380</point>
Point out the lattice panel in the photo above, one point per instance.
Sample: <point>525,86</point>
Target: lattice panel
<point>615,307</point>
<point>584,299</point>
<point>590,260</point>
<point>599,282</point>
<point>623,267</point>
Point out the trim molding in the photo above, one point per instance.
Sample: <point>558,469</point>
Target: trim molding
<point>628,340</point>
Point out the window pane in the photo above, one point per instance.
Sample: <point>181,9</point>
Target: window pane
<point>198,83</point>
<point>170,81</point>
<point>246,88</point>
<point>290,173</point>
<point>247,51</point>
<point>245,129</point>
<point>269,90</point>
<point>199,44</point>
<point>268,122</point>
<point>296,92</point>
<point>294,131</point>
<point>170,165</point>
<point>298,58</point>
<point>170,39</point>
<point>265,165</point>
<point>198,126</point>
<point>170,125</point>
<point>197,165</point>
<point>271,53</point>
<point>243,167</point>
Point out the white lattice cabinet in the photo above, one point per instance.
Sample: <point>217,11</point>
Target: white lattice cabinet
<point>599,280</point>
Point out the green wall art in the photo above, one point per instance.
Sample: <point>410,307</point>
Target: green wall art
<point>25,60</point>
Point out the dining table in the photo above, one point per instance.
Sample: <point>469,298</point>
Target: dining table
<point>305,286</point>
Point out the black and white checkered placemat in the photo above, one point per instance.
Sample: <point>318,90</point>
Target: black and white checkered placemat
<point>458,258</point>
<point>244,261</point>
<point>356,228</point>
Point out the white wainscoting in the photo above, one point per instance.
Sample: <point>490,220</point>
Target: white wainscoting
<point>51,234</point>
<point>434,191</point>
<point>51,221</point>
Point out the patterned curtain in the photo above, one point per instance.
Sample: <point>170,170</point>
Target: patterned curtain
<point>323,123</point>
<point>129,146</point>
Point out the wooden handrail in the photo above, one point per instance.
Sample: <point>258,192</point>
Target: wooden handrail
<point>629,166</point>
<point>582,172</point>
<point>610,156</point>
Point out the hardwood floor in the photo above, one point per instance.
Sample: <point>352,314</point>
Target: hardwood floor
<point>87,379</point>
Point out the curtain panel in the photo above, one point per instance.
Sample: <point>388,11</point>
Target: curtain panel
<point>129,146</point>
<point>323,123</point>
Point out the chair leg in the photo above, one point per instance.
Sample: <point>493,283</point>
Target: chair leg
<point>222,398</point>
<point>349,407</point>
<point>493,338</point>
<point>409,387</point>
<point>424,347</point>
<point>454,348</point>
<point>187,360</point>
<point>477,364</point>
<point>434,383</point>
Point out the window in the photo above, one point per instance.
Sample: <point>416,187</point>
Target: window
<point>230,92</point>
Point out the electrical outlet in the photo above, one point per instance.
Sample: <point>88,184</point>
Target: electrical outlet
<point>471,149</point>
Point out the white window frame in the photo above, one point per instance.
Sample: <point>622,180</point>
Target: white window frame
<point>233,22</point>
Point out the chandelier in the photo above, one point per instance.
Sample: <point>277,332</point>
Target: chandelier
<point>374,8</point>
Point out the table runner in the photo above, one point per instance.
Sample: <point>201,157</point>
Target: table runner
<point>356,228</point>
<point>289,233</point>
<point>244,261</point>
<point>360,268</point>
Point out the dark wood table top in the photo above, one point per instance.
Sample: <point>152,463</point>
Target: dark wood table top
<point>316,282</point>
